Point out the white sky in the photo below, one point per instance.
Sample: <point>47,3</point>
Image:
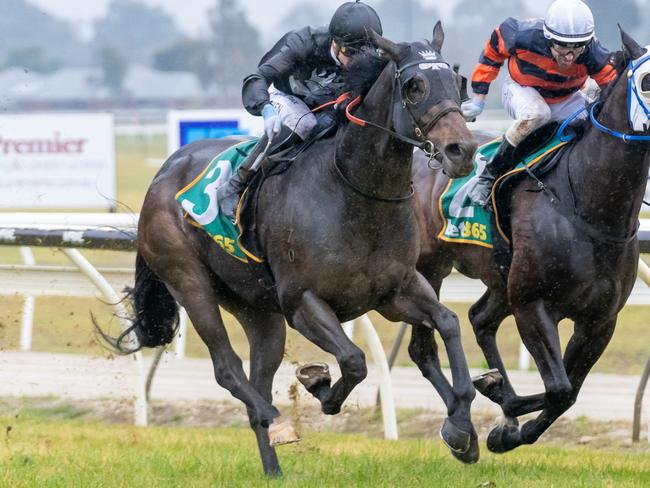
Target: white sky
<point>190,14</point>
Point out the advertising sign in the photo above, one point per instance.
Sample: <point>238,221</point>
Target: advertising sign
<point>57,161</point>
<point>185,126</point>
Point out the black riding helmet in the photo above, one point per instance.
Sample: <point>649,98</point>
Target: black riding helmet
<point>351,21</point>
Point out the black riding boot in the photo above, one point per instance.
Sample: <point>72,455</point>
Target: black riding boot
<point>500,163</point>
<point>228,194</point>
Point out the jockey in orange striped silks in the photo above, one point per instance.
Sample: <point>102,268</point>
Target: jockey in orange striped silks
<point>555,65</point>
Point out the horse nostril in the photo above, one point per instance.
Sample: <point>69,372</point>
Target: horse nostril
<point>454,151</point>
<point>460,150</point>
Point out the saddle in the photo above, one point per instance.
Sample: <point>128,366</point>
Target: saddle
<point>275,164</point>
<point>466,223</point>
<point>501,217</point>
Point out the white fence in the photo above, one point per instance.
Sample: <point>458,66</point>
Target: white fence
<point>71,230</point>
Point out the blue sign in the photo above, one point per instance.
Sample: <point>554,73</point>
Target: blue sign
<point>191,131</point>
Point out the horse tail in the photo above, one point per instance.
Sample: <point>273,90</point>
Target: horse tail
<point>155,313</point>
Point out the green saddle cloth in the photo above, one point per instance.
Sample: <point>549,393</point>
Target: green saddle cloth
<point>199,199</point>
<point>464,222</point>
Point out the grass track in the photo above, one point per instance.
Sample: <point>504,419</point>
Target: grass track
<point>43,452</point>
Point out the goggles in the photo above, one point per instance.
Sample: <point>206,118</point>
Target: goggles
<point>349,50</point>
<point>569,48</point>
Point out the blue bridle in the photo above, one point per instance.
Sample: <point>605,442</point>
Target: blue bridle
<point>632,90</point>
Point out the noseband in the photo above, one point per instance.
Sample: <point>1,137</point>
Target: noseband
<point>632,91</point>
<point>421,142</point>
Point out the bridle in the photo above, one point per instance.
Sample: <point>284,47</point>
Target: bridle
<point>632,92</point>
<point>420,141</point>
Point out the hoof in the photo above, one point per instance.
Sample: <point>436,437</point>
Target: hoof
<point>489,385</point>
<point>281,433</point>
<point>455,439</point>
<point>505,437</point>
<point>314,376</point>
<point>472,454</point>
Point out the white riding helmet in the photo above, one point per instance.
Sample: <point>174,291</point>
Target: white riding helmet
<point>569,22</point>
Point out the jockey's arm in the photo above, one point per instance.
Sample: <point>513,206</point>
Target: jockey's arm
<point>495,53</point>
<point>280,61</point>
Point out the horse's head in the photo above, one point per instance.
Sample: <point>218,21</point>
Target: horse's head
<point>626,102</point>
<point>427,101</point>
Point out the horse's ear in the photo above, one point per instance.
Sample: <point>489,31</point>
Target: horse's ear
<point>438,37</point>
<point>630,45</point>
<point>391,49</point>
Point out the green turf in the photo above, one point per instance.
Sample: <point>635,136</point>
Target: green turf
<point>41,451</point>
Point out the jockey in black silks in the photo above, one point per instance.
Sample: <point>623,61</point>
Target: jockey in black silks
<point>302,71</point>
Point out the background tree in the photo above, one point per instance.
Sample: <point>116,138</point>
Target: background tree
<point>32,58</point>
<point>236,46</point>
<point>41,38</point>
<point>135,30</point>
<point>407,20</point>
<point>114,69</point>
<point>310,12</point>
<point>473,22</point>
<point>187,55</point>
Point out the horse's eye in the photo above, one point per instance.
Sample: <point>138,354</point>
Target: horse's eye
<point>645,85</point>
<point>415,89</point>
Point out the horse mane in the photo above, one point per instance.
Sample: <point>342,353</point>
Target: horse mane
<point>620,60</point>
<point>363,71</point>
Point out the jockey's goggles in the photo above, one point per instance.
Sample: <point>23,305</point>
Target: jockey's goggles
<point>564,49</point>
<point>348,50</point>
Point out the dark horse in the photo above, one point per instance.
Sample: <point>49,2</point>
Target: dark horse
<point>578,263</point>
<point>337,232</point>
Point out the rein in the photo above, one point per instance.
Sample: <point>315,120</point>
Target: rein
<point>626,137</point>
<point>368,195</point>
<point>425,145</point>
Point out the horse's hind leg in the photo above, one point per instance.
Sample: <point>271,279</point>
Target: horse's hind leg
<point>417,304</point>
<point>173,259</point>
<point>266,335</point>
<point>317,322</point>
<point>583,350</point>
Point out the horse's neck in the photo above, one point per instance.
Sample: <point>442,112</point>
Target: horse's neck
<point>377,162</point>
<point>609,178</point>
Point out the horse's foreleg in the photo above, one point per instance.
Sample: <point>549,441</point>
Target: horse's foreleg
<point>486,316</point>
<point>417,304</point>
<point>266,336</point>
<point>315,320</point>
<point>585,347</point>
<point>538,330</point>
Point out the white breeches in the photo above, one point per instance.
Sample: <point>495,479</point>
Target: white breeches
<point>530,110</point>
<point>294,113</point>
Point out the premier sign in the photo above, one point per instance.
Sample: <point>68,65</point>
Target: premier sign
<point>57,161</point>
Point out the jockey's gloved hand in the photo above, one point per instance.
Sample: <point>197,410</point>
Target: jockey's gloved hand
<point>272,121</point>
<point>472,108</point>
